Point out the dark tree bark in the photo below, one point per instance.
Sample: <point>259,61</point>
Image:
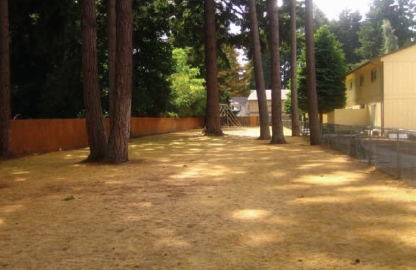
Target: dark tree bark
<point>278,136</point>
<point>97,136</point>
<point>112,45</point>
<point>259,73</point>
<point>212,118</point>
<point>120,123</point>
<point>293,78</point>
<point>315,131</point>
<point>5,138</point>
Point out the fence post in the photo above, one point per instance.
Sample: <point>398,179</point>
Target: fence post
<point>398,157</point>
<point>370,147</point>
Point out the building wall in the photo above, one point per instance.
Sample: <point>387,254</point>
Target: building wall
<point>365,91</point>
<point>400,89</point>
<point>254,107</point>
<point>359,117</point>
<point>362,87</point>
<point>390,96</point>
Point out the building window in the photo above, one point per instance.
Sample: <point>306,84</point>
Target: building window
<point>361,80</point>
<point>350,84</point>
<point>373,75</point>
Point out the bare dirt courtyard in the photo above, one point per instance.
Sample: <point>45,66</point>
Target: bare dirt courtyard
<point>187,201</point>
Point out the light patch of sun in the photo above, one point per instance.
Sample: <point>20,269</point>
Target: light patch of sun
<point>250,214</point>
<point>320,199</point>
<point>174,242</point>
<point>260,239</point>
<point>334,179</point>
<point>1,221</point>
<point>292,187</point>
<point>370,188</point>
<point>310,165</point>
<point>145,204</point>
<point>113,182</point>
<point>393,194</point>
<point>20,179</point>
<point>20,172</point>
<point>407,237</point>
<point>412,207</point>
<point>11,208</point>
<point>191,172</point>
<point>384,193</point>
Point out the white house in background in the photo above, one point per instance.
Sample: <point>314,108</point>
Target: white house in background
<point>254,106</point>
<point>239,105</point>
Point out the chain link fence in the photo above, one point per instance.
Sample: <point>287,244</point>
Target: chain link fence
<point>390,150</point>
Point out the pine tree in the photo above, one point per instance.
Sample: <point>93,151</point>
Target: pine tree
<point>213,120</point>
<point>294,112</point>
<point>315,131</point>
<point>278,136</point>
<point>259,73</point>
<point>330,73</point>
<point>120,124</point>
<point>97,136</point>
<point>5,139</point>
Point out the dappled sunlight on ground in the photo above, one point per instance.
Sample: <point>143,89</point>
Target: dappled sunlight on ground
<point>334,179</point>
<point>250,214</point>
<point>320,199</point>
<point>188,201</point>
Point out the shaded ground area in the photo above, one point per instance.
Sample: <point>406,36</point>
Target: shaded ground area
<point>187,201</point>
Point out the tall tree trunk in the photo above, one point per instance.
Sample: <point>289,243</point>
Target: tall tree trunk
<point>112,46</point>
<point>259,73</point>
<point>118,144</point>
<point>278,136</point>
<point>213,120</point>
<point>97,137</point>
<point>315,131</point>
<point>5,139</point>
<point>293,78</point>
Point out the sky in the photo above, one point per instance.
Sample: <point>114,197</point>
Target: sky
<point>332,8</point>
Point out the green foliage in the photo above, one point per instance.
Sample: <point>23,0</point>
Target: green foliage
<point>45,58</point>
<point>330,73</point>
<point>188,91</point>
<point>152,62</point>
<point>233,77</point>
<point>390,39</point>
<point>370,40</point>
<point>400,14</point>
<point>287,108</point>
<point>345,29</point>
<point>152,67</point>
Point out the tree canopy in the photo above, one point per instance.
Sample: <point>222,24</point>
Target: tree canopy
<point>45,49</point>
<point>188,93</point>
<point>330,73</point>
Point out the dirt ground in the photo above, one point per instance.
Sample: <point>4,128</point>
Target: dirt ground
<point>187,201</point>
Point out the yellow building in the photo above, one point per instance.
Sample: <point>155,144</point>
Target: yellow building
<point>382,92</point>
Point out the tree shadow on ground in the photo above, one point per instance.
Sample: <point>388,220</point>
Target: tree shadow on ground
<point>187,201</point>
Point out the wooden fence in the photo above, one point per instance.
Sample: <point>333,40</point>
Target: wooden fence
<point>46,135</point>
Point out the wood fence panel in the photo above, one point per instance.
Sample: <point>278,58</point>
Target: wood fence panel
<point>46,135</point>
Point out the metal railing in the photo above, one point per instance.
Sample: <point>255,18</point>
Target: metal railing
<point>390,150</point>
